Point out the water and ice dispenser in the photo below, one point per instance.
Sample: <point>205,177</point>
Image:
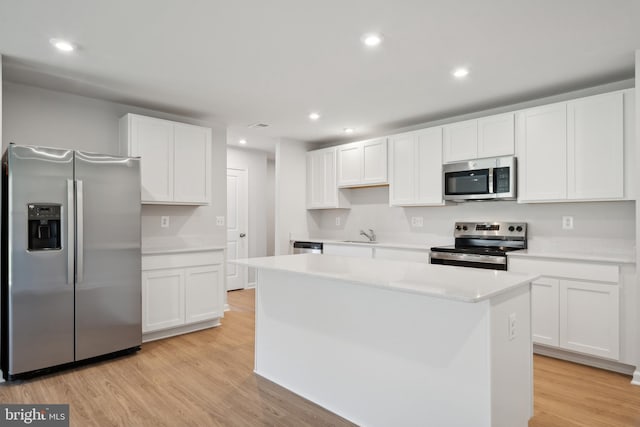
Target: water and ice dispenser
<point>44,227</point>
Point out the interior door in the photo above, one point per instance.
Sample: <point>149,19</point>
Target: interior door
<point>237,225</point>
<point>108,262</point>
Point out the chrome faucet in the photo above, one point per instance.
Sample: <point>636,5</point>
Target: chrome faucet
<point>370,235</point>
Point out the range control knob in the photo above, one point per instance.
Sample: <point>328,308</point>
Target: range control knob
<point>511,228</point>
<point>464,228</point>
<point>518,229</point>
<point>458,227</point>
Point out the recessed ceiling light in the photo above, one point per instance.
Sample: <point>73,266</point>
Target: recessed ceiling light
<point>314,116</point>
<point>348,131</point>
<point>242,141</point>
<point>460,73</point>
<point>63,45</point>
<point>372,39</point>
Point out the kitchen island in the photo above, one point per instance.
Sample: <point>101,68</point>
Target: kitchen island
<point>396,343</point>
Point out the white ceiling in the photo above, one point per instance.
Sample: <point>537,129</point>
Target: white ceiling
<point>241,62</point>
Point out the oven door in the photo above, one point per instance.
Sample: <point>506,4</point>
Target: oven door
<point>490,262</point>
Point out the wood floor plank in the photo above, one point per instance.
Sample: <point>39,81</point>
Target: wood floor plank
<point>206,379</point>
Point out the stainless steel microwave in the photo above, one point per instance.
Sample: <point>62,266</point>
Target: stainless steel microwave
<point>482,179</point>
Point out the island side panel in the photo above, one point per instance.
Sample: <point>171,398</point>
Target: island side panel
<point>376,357</point>
<point>511,358</point>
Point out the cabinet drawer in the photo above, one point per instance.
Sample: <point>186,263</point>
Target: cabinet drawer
<point>567,269</point>
<point>190,259</point>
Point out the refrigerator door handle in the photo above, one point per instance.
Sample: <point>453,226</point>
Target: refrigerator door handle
<point>70,232</point>
<point>79,231</point>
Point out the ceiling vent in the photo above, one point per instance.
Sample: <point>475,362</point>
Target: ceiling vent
<point>258,125</point>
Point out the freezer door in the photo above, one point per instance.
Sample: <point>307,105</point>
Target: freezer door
<point>40,282</point>
<point>108,280</point>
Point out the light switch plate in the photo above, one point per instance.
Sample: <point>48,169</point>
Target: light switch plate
<point>164,221</point>
<point>338,221</point>
<point>220,221</point>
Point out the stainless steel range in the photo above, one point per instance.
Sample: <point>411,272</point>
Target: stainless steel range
<point>482,244</point>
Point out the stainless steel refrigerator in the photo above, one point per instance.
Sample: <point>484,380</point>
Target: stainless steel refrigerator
<point>71,286</point>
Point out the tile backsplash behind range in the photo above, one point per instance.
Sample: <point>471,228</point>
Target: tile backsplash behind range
<point>607,226</point>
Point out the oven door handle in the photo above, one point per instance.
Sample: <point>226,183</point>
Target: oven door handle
<point>485,259</point>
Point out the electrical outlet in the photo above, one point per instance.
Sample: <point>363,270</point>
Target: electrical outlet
<point>417,221</point>
<point>164,221</point>
<point>567,223</point>
<point>512,326</point>
<point>220,221</point>
<point>337,221</point>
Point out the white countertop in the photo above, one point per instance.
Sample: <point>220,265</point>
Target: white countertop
<point>610,257</point>
<point>376,244</point>
<point>159,245</point>
<point>604,256</point>
<point>456,283</point>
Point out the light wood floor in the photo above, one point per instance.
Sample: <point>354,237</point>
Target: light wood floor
<point>206,379</point>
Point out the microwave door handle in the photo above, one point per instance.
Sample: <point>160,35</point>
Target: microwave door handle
<point>490,180</point>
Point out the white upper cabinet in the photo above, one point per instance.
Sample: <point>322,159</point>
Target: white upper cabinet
<point>192,164</point>
<point>415,168</point>
<point>542,153</point>
<point>461,141</point>
<point>574,150</point>
<point>479,138</point>
<point>496,136</point>
<point>596,147</point>
<point>362,163</point>
<point>322,191</point>
<point>175,159</point>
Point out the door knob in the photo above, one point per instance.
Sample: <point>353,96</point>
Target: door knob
<point>242,234</point>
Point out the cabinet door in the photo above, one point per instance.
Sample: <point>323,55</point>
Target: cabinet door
<point>596,147</point>
<point>192,154</point>
<point>315,179</point>
<point>461,141</point>
<point>402,169</point>
<point>545,314</point>
<point>496,136</point>
<point>162,299</point>
<point>429,166</point>
<point>203,293</point>
<point>542,153</point>
<point>328,177</point>
<point>589,318</point>
<point>374,162</point>
<point>349,164</point>
<point>152,141</point>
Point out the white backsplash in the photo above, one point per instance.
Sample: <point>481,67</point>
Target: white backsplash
<point>598,226</point>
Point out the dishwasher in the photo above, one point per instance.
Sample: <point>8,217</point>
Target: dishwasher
<point>307,247</point>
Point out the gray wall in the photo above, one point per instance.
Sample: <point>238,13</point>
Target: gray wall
<point>271,207</point>
<point>35,116</point>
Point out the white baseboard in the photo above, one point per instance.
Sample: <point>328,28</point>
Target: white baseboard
<point>636,377</point>
<point>251,285</point>
<point>226,306</point>
<point>166,333</point>
<point>583,359</point>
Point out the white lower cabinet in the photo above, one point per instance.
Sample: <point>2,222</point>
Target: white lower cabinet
<point>589,318</point>
<point>181,292</point>
<point>162,299</point>
<point>575,305</point>
<point>545,311</point>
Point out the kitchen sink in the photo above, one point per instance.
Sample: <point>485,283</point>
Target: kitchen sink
<point>359,241</point>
